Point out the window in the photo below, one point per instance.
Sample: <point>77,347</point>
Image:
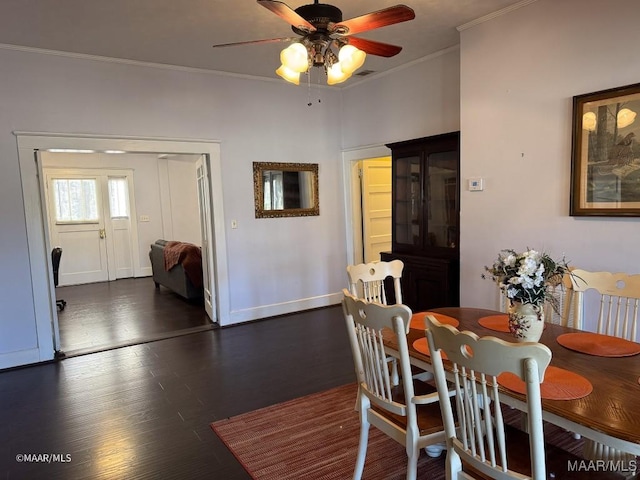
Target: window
<point>118,197</point>
<point>75,199</point>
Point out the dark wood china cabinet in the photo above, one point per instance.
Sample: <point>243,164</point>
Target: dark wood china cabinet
<point>426,219</point>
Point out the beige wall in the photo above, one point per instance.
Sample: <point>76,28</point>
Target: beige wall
<point>519,73</point>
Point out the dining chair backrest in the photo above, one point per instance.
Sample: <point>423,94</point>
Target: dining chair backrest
<point>478,441</point>
<point>619,301</point>
<point>411,419</point>
<point>366,280</point>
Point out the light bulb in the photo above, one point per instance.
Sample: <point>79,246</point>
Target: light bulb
<point>351,58</point>
<point>289,75</point>
<point>336,75</point>
<point>295,57</point>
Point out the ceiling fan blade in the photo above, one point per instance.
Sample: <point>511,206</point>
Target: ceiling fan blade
<point>253,42</point>
<point>374,48</point>
<point>288,14</point>
<point>377,19</point>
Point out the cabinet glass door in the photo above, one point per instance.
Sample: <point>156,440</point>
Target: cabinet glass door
<point>442,200</point>
<point>407,201</point>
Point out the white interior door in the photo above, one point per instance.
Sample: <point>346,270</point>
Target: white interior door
<point>204,202</point>
<point>90,214</point>
<point>376,207</point>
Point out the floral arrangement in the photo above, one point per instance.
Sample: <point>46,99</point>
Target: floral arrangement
<point>524,277</point>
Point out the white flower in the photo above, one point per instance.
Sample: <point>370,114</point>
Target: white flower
<point>534,254</point>
<point>522,276</point>
<point>527,282</point>
<point>528,266</point>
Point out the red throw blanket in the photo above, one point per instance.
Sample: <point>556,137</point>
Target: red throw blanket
<point>187,255</point>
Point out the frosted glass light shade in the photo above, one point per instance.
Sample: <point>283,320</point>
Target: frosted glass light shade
<point>336,75</point>
<point>289,75</point>
<point>295,57</point>
<point>351,59</point>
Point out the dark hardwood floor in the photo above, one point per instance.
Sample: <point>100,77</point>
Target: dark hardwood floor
<point>143,411</point>
<point>99,316</point>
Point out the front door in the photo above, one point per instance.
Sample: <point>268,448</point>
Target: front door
<point>89,218</point>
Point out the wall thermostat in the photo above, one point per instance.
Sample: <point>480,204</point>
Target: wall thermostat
<point>476,184</point>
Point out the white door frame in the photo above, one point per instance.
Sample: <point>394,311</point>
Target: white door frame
<point>36,227</point>
<point>352,206</point>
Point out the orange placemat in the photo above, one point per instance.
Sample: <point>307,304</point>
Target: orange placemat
<point>497,323</point>
<point>417,320</point>
<point>559,384</point>
<point>422,346</point>
<point>599,345</point>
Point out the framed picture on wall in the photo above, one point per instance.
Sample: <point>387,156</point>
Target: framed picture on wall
<point>605,157</point>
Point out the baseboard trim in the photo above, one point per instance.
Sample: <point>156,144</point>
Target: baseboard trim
<point>145,272</point>
<point>20,358</point>
<point>265,311</point>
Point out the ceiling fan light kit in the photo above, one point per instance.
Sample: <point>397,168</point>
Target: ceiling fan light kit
<point>324,33</point>
<point>298,58</point>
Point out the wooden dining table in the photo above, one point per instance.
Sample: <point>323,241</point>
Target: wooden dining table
<point>610,411</point>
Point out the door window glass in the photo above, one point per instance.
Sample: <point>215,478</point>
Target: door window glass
<point>75,200</point>
<point>118,197</point>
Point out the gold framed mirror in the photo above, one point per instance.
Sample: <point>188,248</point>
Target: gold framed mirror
<point>285,189</point>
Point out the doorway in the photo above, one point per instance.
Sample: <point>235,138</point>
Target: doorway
<point>367,190</point>
<point>29,145</point>
<point>375,192</point>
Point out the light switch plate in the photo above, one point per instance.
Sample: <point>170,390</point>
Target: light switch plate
<point>476,184</point>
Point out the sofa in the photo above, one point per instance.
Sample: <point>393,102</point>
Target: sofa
<point>178,267</point>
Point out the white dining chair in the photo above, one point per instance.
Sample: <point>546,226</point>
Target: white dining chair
<point>478,440</point>
<point>408,413</point>
<point>366,280</point>
<point>616,302</point>
<point>480,444</point>
<point>618,299</point>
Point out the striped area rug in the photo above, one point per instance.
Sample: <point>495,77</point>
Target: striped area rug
<point>316,438</point>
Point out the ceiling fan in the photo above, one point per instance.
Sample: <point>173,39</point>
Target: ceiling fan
<point>323,33</point>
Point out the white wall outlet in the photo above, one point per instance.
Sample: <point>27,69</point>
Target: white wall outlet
<point>234,224</point>
<point>145,218</point>
<point>476,184</point>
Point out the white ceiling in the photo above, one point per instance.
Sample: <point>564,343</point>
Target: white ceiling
<point>182,32</point>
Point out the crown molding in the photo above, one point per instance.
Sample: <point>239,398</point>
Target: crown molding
<point>123,61</point>
<point>493,15</point>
